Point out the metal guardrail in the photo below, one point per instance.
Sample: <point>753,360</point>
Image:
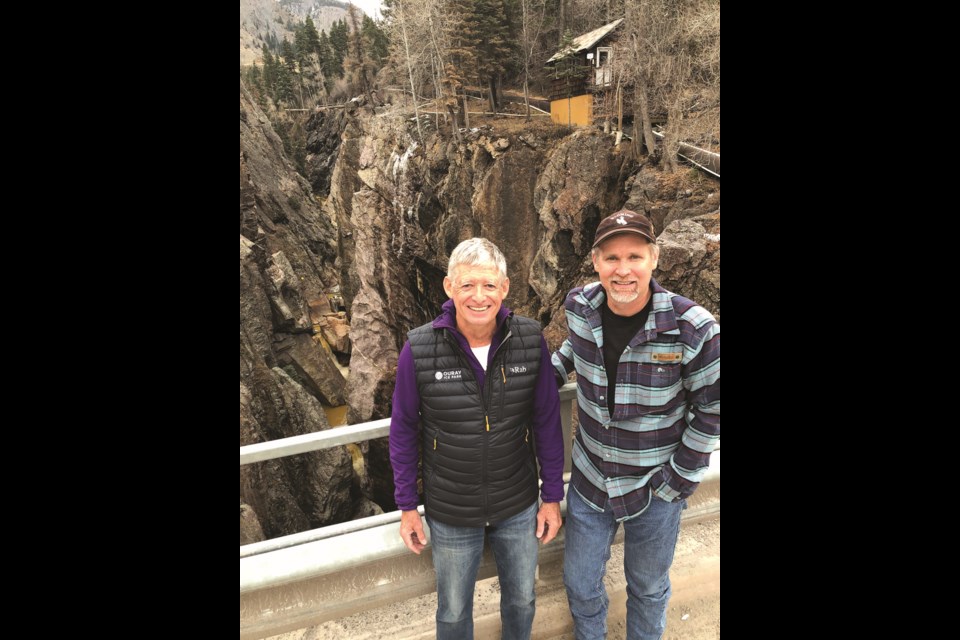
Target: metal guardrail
<point>311,577</point>
<point>348,435</point>
<point>314,441</point>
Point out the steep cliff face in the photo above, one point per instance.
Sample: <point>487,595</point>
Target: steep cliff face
<point>323,143</point>
<point>685,210</point>
<point>401,208</point>
<point>690,260</point>
<point>287,255</point>
<point>581,183</point>
<point>398,208</point>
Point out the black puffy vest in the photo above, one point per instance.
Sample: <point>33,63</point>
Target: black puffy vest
<point>475,474</point>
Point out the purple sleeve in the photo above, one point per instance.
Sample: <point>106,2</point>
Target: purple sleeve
<point>404,432</point>
<point>548,433</point>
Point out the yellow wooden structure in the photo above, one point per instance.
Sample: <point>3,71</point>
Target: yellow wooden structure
<point>576,111</point>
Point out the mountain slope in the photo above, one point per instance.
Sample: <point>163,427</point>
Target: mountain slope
<point>267,20</point>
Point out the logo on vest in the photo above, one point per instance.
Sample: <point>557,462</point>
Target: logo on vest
<point>456,374</point>
<point>518,369</point>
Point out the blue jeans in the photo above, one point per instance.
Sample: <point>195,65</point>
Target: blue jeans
<point>456,557</point>
<point>649,542</point>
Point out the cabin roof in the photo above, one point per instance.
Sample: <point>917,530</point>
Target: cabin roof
<point>587,40</point>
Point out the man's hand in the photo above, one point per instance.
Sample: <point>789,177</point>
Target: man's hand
<point>411,530</point>
<point>548,521</point>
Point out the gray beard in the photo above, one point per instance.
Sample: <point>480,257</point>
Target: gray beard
<point>624,298</point>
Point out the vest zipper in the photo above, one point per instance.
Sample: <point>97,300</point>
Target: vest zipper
<point>488,390</point>
<point>503,390</point>
<point>465,363</point>
<point>485,402</point>
<point>503,373</point>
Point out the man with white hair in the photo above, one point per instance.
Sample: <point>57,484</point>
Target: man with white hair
<point>476,404</point>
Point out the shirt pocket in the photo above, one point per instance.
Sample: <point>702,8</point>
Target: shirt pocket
<point>656,368</point>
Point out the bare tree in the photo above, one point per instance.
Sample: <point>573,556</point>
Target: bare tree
<point>532,18</point>
<point>672,49</point>
<point>419,36</point>
<point>401,18</point>
<point>701,38</point>
<point>449,82</point>
<point>358,62</point>
<point>586,16</point>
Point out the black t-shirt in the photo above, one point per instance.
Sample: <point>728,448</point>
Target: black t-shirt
<point>618,331</point>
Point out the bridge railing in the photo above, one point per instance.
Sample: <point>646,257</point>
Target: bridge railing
<point>323,574</point>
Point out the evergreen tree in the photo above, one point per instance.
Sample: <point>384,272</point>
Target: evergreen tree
<point>269,71</point>
<point>307,45</point>
<point>289,56</point>
<point>338,43</point>
<point>254,76</point>
<point>328,61</point>
<point>311,37</point>
<point>463,37</point>
<point>292,79</point>
<point>478,34</point>
<point>302,47</point>
<point>283,88</point>
<point>378,44</point>
<point>493,50</point>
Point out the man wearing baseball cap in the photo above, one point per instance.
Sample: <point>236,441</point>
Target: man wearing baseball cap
<point>648,372</point>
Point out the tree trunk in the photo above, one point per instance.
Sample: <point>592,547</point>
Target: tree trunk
<point>366,88</point>
<point>619,108</point>
<point>456,125</point>
<point>438,87</point>
<point>441,70</point>
<point>563,18</point>
<point>492,87</point>
<point>526,97</point>
<point>466,110</point>
<point>643,103</point>
<point>406,49</point>
<point>671,138</point>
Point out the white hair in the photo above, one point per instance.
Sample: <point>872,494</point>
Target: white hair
<point>477,252</point>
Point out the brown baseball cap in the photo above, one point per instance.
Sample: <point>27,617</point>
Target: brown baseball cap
<point>624,221</point>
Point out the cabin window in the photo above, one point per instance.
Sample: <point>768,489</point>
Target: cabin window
<point>603,74</point>
<point>603,56</point>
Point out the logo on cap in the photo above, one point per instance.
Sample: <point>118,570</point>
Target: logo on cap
<point>624,221</point>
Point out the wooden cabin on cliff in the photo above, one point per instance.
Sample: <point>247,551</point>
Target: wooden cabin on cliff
<point>583,89</point>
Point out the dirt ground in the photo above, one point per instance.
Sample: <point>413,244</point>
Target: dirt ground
<point>693,613</point>
<point>694,610</point>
